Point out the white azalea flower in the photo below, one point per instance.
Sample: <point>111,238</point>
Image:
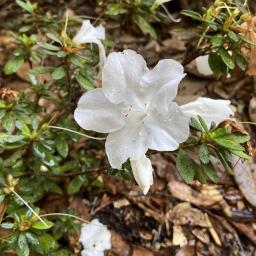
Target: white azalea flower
<point>203,66</point>
<point>95,238</point>
<point>143,173</point>
<point>90,34</point>
<point>209,109</point>
<point>135,107</point>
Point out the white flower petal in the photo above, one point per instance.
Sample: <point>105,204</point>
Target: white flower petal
<point>209,109</point>
<point>88,33</point>
<point>121,77</point>
<point>203,66</point>
<point>95,238</point>
<point>158,2</point>
<point>162,82</point>
<point>143,173</point>
<point>166,130</point>
<point>95,112</point>
<point>128,142</point>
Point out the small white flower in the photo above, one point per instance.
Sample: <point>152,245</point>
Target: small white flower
<point>95,238</point>
<point>203,66</point>
<point>90,34</point>
<point>209,109</point>
<point>135,107</point>
<point>143,173</point>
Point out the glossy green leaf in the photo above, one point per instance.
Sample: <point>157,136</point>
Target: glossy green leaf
<point>58,73</point>
<point>13,64</point>
<point>216,64</point>
<point>185,166</point>
<point>204,154</point>
<point>227,58</point>
<point>41,226</point>
<point>145,26</point>
<point>217,40</point>
<point>210,172</point>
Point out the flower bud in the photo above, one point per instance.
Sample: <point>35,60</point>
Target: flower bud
<point>203,66</point>
<point>143,173</point>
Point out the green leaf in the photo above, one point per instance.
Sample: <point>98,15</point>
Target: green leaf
<point>41,70</point>
<point>233,36</point>
<point>75,185</point>
<point>204,154</point>
<point>217,40</point>
<point>32,239</point>
<point>13,64</point>
<point>44,154</point>
<point>220,132</point>
<point>12,138</point>
<point>200,175</point>
<point>61,252</point>
<point>54,38</point>
<point>192,14</point>
<point>49,47</point>
<point>237,137</point>
<point>41,226</point>
<point>203,124</point>
<point>115,9</point>
<point>26,131</point>
<point>210,172</point>
<point>7,225</point>
<point>241,62</point>
<point>26,6</point>
<point>23,248</point>
<point>84,82</point>
<point>216,64</point>
<point>227,58</point>
<point>196,124</point>
<point>185,166</point>
<point>2,104</point>
<point>229,144</point>
<point>8,122</point>
<point>58,73</point>
<point>47,243</point>
<point>241,154</point>
<point>145,26</point>
<point>62,146</point>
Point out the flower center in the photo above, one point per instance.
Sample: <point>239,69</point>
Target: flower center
<point>138,114</point>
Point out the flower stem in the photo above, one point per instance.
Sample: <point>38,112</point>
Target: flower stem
<point>75,132</point>
<point>29,207</point>
<point>64,214</point>
<point>248,123</point>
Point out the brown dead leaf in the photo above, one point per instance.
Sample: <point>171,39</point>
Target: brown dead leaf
<point>245,176</point>
<point>183,214</point>
<point>142,252</point>
<point>252,109</point>
<point>187,250</point>
<point>201,234</point>
<point>251,35</point>
<point>119,246</point>
<point>186,193</point>
<point>80,207</point>
<point>178,237</point>
<point>247,230</point>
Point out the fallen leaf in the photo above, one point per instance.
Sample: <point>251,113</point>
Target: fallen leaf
<point>183,214</point>
<point>186,193</point>
<point>245,177</point>
<point>178,237</point>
